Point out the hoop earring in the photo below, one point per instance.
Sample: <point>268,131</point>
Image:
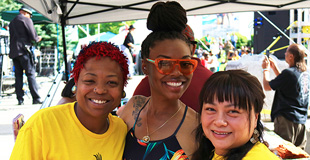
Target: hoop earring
<point>255,136</point>
<point>73,89</point>
<point>123,94</point>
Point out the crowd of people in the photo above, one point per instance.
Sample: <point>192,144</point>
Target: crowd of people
<point>180,110</point>
<point>218,51</point>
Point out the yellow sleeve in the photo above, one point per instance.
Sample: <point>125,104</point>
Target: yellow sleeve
<point>259,152</point>
<point>28,145</point>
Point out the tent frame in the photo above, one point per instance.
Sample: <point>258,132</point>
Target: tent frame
<point>193,7</point>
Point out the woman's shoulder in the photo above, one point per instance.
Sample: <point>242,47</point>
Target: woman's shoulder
<point>53,110</point>
<point>191,116</point>
<point>139,100</point>
<point>47,114</point>
<point>118,123</point>
<point>190,123</point>
<point>132,108</point>
<point>186,134</point>
<point>260,151</point>
<point>134,103</point>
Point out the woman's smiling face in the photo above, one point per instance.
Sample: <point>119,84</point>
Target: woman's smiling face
<point>227,126</point>
<point>174,84</point>
<point>103,75</point>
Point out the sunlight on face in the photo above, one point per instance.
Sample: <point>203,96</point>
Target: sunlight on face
<point>227,127</point>
<point>170,86</point>
<point>106,76</point>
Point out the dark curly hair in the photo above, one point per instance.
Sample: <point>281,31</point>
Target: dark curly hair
<point>100,49</point>
<point>245,92</point>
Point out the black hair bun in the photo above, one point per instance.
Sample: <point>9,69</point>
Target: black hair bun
<point>167,16</point>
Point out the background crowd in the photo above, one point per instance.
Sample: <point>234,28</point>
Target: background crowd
<point>215,52</point>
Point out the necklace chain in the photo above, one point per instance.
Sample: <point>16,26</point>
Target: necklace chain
<point>147,138</point>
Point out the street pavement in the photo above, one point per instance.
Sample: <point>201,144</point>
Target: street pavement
<point>9,109</point>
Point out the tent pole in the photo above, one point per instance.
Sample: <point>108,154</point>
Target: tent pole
<point>58,55</point>
<point>65,49</point>
<point>63,25</point>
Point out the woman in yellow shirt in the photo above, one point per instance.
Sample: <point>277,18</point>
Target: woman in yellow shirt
<point>230,126</point>
<point>84,129</point>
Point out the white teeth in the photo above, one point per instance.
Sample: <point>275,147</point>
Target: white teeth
<point>99,101</point>
<point>221,133</point>
<point>174,84</point>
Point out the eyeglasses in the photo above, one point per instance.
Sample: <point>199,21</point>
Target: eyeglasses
<point>166,66</point>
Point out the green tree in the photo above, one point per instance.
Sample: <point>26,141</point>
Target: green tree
<point>104,27</point>
<point>8,5</point>
<point>49,35</point>
<point>242,40</point>
<point>51,40</point>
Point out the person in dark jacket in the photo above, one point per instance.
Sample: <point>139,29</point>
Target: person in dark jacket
<point>129,41</point>
<point>22,32</point>
<point>128,48</point>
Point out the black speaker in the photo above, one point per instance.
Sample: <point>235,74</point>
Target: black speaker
<point>265,33</point>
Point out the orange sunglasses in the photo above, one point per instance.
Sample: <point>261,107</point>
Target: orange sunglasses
<point>166,66</point>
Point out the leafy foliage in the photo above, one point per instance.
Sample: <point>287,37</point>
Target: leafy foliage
<point>242,40</point>
<point>104,27</point>
<point>8,5</point>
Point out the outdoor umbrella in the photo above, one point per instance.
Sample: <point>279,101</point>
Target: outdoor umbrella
<point>37,18</point>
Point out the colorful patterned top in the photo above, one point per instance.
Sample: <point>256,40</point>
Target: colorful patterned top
<point>165,149</point>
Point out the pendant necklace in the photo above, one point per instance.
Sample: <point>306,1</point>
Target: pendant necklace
<point>147,138</point>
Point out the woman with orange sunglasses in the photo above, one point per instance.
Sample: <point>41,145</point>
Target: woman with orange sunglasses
<point>161,126</point>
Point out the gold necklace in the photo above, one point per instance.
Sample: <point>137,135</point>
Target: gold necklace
<point>147,138</point>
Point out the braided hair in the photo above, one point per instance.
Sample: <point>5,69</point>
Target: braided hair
<point>167,20</point>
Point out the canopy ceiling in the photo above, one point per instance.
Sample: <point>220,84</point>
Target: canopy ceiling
<point>98,11</point>
<point>69,12</point>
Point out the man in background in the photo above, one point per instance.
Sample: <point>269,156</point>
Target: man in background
<point>22,33</point>
<point>127,48</point>
<point>129,41</point>
<point>291,99</point>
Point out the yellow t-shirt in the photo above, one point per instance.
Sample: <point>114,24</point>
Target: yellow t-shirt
<point>258,152</point>
<point>55,133</point>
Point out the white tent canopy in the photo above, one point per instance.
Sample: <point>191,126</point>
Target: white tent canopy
<point>98,11</point>
<point>70,12</point>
